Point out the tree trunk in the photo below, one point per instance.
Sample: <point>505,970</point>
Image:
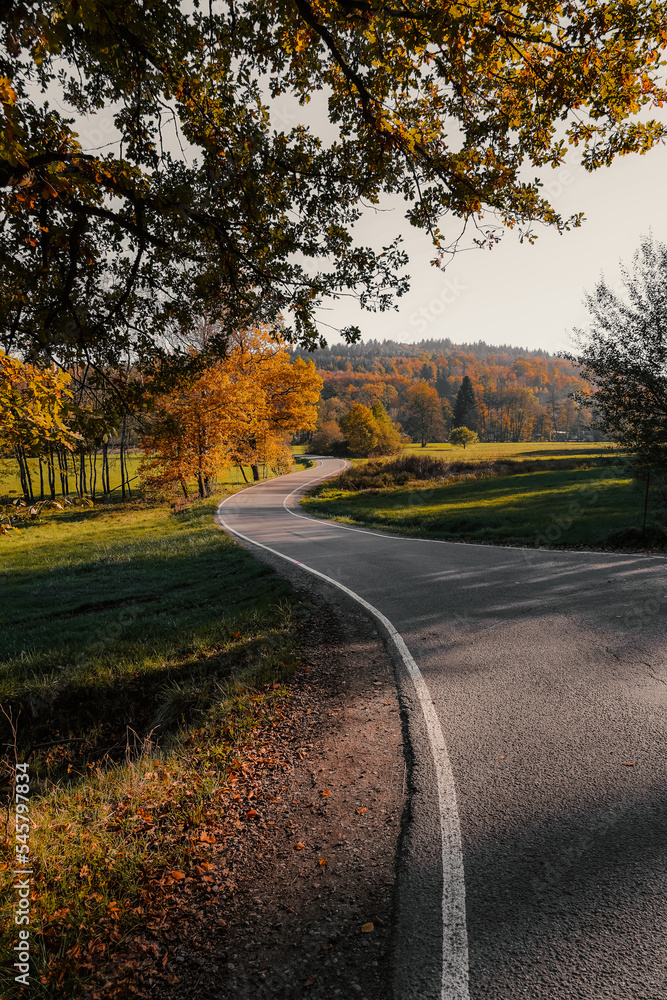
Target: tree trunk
<point>52,473</point>
<point>106,485</point>
<point>22,475</point>
<point>255,472</point>
<point>41,478</point>
<point>243,473</point>
<point>82,474</point>
<point>64,485</point>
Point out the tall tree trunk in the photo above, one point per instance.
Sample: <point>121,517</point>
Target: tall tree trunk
<point>22,475</point>
<point>106,486</point>
<point>122,459</point>
<point>27,473</point>
<point>181,480</point>
<point>52,473</point>
<point>41,478</point>
<point>75,473</point>
<point>243,473</point>
<point>62,473</point>
<point>255,472</point>
<point>93,472</point>
<point>82,474</point>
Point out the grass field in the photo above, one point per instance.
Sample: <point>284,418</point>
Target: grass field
<point>138,651</point>
<point>597,506</point>
<point>517,450</point>
<point>10,484</point>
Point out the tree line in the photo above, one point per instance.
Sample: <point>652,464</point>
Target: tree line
<point>499,394</point>
<point>191,420</point>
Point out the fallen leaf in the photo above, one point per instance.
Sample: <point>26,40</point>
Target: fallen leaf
<point>300,846</point>
<point>251,812</point>
<point>367,928</point>
<point>628,763</point>
<point>178,875</point>
<point>328,792</point>
<point>362,810</point>
<point>310,982</point>
<point>323,861</point>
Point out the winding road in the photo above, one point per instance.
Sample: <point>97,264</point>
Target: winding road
<point>535,687</point>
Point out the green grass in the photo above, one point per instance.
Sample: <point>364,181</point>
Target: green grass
<point>571,507</point>
<point>138,651</point>
<point>10,484</point>
<point>518,450</point>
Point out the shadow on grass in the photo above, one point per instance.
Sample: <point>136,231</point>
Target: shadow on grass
<point>140,625</point>
<point>586,506</point>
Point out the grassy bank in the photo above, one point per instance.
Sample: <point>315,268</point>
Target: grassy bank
<point>591,504</point>
<point>139,650</point>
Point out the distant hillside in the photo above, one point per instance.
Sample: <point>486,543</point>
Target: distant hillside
<point>513,394</point>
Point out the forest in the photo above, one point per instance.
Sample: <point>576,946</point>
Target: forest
<point>427,389</point>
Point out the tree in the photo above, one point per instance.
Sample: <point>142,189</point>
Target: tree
<point>234,411</point>
<point>465,407</point>
<point>360,429</point>
<point>623,354</point>
<point>196,198</point>
<point>33,416</point>
<point>389,436</point>
<point>462,437</point>
<point>424,413</point>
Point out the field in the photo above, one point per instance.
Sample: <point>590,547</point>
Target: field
<point>139,651</point>
<point>517,450</point>
<point>595,504</point>
<point>10,485</point>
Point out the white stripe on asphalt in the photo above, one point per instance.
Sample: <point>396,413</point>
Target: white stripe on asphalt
<point>455,935</point>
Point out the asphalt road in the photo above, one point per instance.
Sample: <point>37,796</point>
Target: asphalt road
<point>548,670</point>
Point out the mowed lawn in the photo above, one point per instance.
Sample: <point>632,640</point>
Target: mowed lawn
<point>589,506</point>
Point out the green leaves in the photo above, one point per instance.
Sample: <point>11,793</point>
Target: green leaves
<point>168,187</point>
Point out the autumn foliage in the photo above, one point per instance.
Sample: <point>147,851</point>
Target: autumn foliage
<point>235,411</point>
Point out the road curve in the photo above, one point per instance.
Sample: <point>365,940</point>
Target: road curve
<point>548,674</point>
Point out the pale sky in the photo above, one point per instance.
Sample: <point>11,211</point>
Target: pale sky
<point>519,294</point>
<point>528,296</point>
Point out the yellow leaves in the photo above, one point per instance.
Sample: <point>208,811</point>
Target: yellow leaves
<point>7,92</point>
<point>236,411</point>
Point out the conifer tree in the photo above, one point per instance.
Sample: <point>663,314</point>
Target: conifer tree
<point>465,408</point>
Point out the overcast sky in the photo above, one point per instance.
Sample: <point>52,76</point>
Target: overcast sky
<point>529,296</point>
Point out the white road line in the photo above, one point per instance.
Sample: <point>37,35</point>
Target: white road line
<point>455,935</point>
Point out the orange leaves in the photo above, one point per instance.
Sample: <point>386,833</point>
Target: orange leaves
<point>178,876</point>
<point>367,928</point>
<point>233,412</point>
<point>327,791</point>
<point>361,811</point>
<point>299,846</point>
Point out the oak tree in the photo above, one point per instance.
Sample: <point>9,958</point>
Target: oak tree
<point>200,197</point>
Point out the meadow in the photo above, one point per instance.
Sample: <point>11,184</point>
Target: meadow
<point>10,484</point>
<point>139,652</point>
<point>570,495</point>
